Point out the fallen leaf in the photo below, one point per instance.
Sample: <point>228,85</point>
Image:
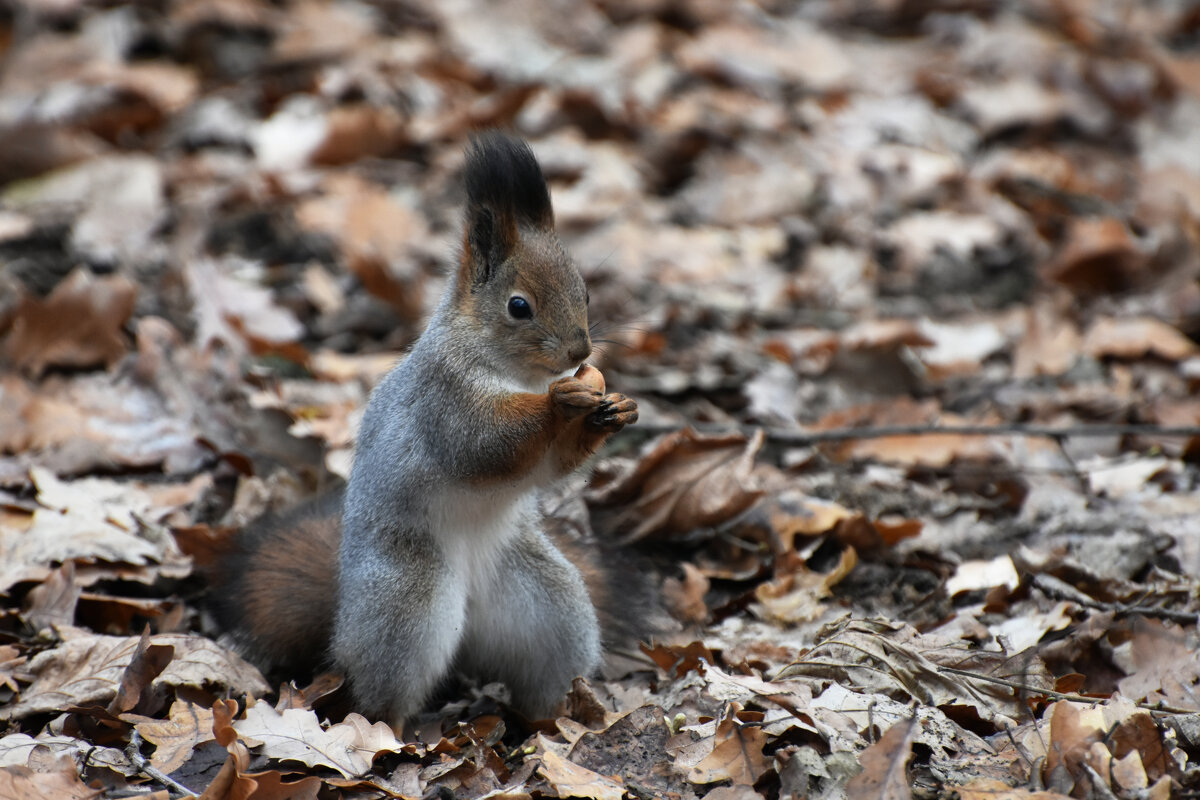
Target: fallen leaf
<point>885,763</point>
<point>176,737</point>
<point>1133,338</point>
<point>89,520</point>
<point>295,735</point>
<point>380,237</point>
<point>22,783</point>
<point>146,664</point>
<point>736,756</point>
<point>572,780</point>
<point>97,309</point>
<point>992,789</point>
<point>796,595</point>
<point>87,670</point>
<point>1100,256</point>
<point>687,481</point>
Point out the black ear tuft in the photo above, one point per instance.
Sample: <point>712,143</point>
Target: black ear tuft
<point>503,176</point>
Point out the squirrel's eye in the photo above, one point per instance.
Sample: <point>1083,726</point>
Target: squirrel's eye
<point>519,308</point>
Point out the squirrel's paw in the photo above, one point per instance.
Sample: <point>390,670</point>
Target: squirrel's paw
<point>614,412</point>
<point>573,397</point>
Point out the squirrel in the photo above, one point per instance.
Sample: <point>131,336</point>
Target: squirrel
<point>437,557</point>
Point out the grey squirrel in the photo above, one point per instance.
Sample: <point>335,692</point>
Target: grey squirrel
<point>438,557</point>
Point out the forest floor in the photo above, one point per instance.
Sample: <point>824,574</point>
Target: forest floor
<point>906,290</point>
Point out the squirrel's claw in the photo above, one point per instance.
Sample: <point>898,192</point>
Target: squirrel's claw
<point>614,412</point>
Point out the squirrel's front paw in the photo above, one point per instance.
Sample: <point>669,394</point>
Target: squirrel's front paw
<point>614,412</point>
<point>573,397</point>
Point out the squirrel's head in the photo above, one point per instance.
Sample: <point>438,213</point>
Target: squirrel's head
<point>515,281</point>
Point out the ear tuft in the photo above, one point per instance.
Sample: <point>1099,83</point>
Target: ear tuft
<point>505,189</point>
<point>503,175</point>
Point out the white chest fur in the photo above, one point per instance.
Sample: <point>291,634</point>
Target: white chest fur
<point>473,526</point>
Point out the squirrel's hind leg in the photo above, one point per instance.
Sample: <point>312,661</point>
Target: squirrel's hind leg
<point>398,629</point>
<point>535,628</point>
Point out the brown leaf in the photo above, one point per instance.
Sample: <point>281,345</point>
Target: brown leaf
<point>1099,256</point>
<point>992,789</point>
<point>176,737</point>
<point>52,602</point>
<point>87,670</point>
<point>1166,666</point>
<point>1073,729</point>
<point>572,780</point>
<point>360,131</point>
<point>22,783</point>
<point>885,775</point>
<point>147,663</point>
<point>88,520</point>
<point>737,755</point>
<point>231,782</point>
<point>295,735</point>
<point>380,238</point>
<point>1136,338</point>
<point>796,595</point>
<point>79,325</point>
<point>1138,734</point>
<point>687,481</point>
<point>1050,343</point>
<point>679,660</point>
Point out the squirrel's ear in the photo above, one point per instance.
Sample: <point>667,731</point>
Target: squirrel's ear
<point>505,190</point>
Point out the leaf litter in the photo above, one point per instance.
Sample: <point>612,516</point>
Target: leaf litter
<point>221,223</point>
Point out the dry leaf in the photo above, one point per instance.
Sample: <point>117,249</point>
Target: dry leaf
<point>885,774</point>
<point>992,789</point>
<point>22,783</point>
<point>687,481</point>
<point>796,595</point>
<point>572,780</point>
<point>1100,255</point>
<point>176,737</point>
<point>87,670</point>
<point>1137,337</point>
<point>89,520</point>
<point>736,756</point>
<point>81,324</point>
<point>295,735</point>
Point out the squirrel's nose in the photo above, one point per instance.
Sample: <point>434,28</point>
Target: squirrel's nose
<point>581,347</point>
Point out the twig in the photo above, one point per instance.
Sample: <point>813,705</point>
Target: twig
<point>1101,788</point>
<point>1061,590</point>
<point>1074,698</point>
<point>134,753</point>
<point>800,437</point>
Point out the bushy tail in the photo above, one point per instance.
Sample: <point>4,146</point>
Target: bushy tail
<point>275,591</point>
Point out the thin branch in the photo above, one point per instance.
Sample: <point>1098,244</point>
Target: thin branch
<point>134,753</point>
<point>1074,698</point>
<point>801,437</point>
<point>1060,590</point>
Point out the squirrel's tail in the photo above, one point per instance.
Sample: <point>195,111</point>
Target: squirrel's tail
<point>627,605</point>
<point>275,590</point>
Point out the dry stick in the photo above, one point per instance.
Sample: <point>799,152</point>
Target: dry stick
<point>134,754</point>
<point>933,429</point>
<point>1061,590</point>
<point>1074,698</point>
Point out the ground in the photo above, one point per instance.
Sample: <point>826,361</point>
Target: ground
<point>906,290</point>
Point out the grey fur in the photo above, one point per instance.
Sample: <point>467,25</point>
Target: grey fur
<point>442,562</point>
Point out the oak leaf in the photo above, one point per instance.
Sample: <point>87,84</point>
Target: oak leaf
<point>295,735</point>
<point>572,780</point>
